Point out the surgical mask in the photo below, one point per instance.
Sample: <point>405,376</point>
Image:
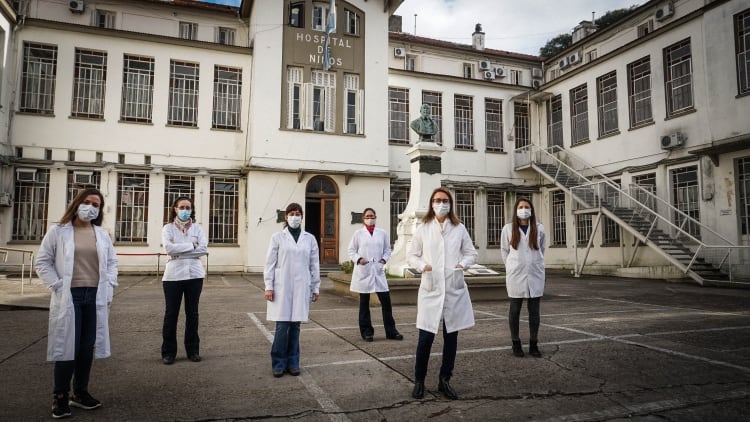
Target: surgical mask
<point>184,215</point>
<point>369,221</point>
<point>294,221</point>
<point>87,212</point>
<point>523,213</point>
<point>441,209</point>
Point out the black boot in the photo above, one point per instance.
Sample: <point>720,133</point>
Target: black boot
<point>517,350</point>
<point>534,350</point>
<point>418,391</point>
<point>445,388</point>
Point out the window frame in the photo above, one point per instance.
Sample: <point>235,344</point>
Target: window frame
<point>463,121</point>
<point>140,89</point>
<point>398,125</point>
<point>639,92</point>
<point>187,30</point>
<point>606,98</point>
<point>521,124</point>
<point>184,91</point>
<point>131,223</point>
<point>678,80</point>
<point>89,91</point>
<point>555,134</point>
<point>435,101</point>
<point>223,226</point>
<point>742,50</point>
<point>227,98</point>
<point>493,124</point>
<point>579,115</point>
<point>38,57</point>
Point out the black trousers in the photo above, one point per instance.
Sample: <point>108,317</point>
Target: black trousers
<point>514,314</point>
<point>424,345</point>
<point>79,369</point>
<point>365,323</point>
<point>173,293</point>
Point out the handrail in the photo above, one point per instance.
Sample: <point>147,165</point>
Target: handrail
<point>23,252</point>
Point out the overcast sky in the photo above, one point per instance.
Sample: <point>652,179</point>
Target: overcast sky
<point>517,26</point>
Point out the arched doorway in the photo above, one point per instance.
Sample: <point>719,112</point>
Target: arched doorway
<point>322,216</point>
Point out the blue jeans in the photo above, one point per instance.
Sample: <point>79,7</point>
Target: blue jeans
<point>424,345</point>
<point>79,369</point>
<point>285,348</point>
<point>173,292</point>
<point>365,323</point>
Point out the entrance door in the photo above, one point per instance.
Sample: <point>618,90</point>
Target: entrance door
<point>322,217</point>
<point>329,239</point>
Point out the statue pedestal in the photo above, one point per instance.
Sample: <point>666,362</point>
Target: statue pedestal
<point>425,177</point>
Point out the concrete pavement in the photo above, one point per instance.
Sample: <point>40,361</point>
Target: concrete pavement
<point>612,349</point>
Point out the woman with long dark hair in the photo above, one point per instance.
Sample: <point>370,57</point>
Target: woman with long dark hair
<point>522,245</point>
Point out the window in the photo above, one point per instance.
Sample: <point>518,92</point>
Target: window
<point>224,210</point>
<point>21,6</point>
<point>468,71</point>
<point>742,46</point>
<point>579,114</point>
<point>31,200</point>
<point>606,98</point>
<point>515,77</point>
<point>137,89</point>
<point>398,115</point>
<point>188,30</point>
<point>465,209</point>
<point>679,77</point>
<point>227,98</point>
<point>584,227</point>
<point>294,100</point>
<point>610,229</point>
<point>132,207</point>
<point>410,63</point>
<point>495,217</point>
<point>79,180</point>
<point>464,121</point>
<point>225,35</point>
<point>493,124</point>
<point>176,186</point>
<point>183,94</point>
<point>321,110</point>
<point>38,78</point>
<point>521,124</point>
<point>352,23</point>
<point>639,91</point>
<point>558,218</point>
<point>105,19</point>
<point>297,15</point>
<point>743,194</point>
<point>645,28</point>
<point>685,198</point>
<point>320,16</point>
<point>435,100</point>
<point>591,56</point>
<point>399,199</point>
<point>353,110</point>
<point>89,83</point>
<point>555,121</point>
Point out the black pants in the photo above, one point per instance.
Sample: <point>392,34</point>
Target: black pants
<point>424,345</point>
<point>173,293</point>
<point>79,369</point>
<point>514,314</point>
<point>365,323</point>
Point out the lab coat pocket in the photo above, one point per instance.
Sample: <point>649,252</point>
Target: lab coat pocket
<point>427,282</point>
<point>458,279</point>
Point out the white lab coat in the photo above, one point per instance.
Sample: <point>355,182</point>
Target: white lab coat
<point>524,267</point>
<point>443,292</point>
<point>54,266</point>
<point>370,277</point>
<point>292,271</point>
<point>178,246</point>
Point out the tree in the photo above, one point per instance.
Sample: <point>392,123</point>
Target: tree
<point>611,17</point>
<point>556,45</point>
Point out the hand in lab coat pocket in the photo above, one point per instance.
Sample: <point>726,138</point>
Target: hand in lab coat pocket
<point>458,279</point>
<point>427,282</point>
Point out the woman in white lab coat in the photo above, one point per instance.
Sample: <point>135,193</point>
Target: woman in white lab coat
<point>77,262</point>
<point>522,245</point>
<point>369,250</point>
<point>185,242</point>
<point>292,280</point>
<point>441,249</point>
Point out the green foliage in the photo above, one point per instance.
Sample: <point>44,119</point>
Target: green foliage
<point>347,267</point>
<point>611,17</point>
<point>556,45</point>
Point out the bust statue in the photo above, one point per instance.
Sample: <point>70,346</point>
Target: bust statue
<point>424,125</point>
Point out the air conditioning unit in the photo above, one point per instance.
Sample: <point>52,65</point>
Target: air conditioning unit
<point>672,141</point>
<point>5,199</point>
<point>536,83</point>
<point>485,65</point>
<point>76,6</point>
<point>25,175</point>
<point>399,52</point>
<point>563,63</point>
<point>489,75</point>
<point>536,72</point>
<point>664,12</point>
<point>574,58</point>
<point>499,72</point>
<point>83,177</point>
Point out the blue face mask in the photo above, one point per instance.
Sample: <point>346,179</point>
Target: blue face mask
<point>184,215</point>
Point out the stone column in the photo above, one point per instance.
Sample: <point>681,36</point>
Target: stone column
<point>425,177</point>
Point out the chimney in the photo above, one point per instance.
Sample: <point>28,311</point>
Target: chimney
<point>583,30</point>
<point>394,24</point>
<point>477,38</point>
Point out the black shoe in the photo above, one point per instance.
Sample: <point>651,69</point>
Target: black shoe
<point>195,357</point>
<point>367,338</point>
<point>168,360</point>
<point>396,336</point>
<point>60,406</point>
<point>517,350</point>
<point>418,391</point>
<point>83,400</point>
<point>278,374</point>
<point>534,350</point>
<point>293,371</point>
<point>445,388</point>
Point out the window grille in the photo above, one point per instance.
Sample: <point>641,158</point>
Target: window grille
<point>639,91</point>
<point>137,89</point>
<point>685,198</point>
<point>132,207</point>
<point>183,94</point>
<point>227,98</point>
<point>398,112</point>
<point>559,229</point>
<point>399,199</point>
<point>607,103</point>
<point>464,207</point>
<point>464,121</point>
<point>30,205</point>
<point>89,83</point>
<point>38,78</point>
<point>679,77</point>
<point>521,124</point>
<point>495,216</point>
<point>435,100</point>
<point>579,114</point>
<point>742,46</point>
<point>224,210</point>
<point>81,180</point>
<point>555,121</point>
<point>493,123</point>
<point>176,186</point>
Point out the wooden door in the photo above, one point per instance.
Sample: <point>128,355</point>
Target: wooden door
<point>329,233</point>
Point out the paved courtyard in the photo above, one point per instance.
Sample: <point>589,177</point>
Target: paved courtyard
<point>613,349</point>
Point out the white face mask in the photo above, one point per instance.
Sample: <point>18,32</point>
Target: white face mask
<point>523,213</point>
<point>369,221</point>
<point>294,221</point>
<point>87,212</point>
<point>441,209</point>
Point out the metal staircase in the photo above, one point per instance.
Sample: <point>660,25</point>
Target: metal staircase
<point>694,248</point>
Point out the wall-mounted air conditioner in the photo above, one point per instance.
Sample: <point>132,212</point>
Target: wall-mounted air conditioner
<point>664,12</point>
<point>76,6</point>
<point>83,177</point>
<point>574,58</point>
<point>536,83</point>
<point>485,65</point>
<point>399,52</point>
<point>25,175</point>
<point>489,75</point>
<point>672,140</point>
<point>563,63</point>
<point>536,72</point>
<point>499,72</point>
<point>5,199</point>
